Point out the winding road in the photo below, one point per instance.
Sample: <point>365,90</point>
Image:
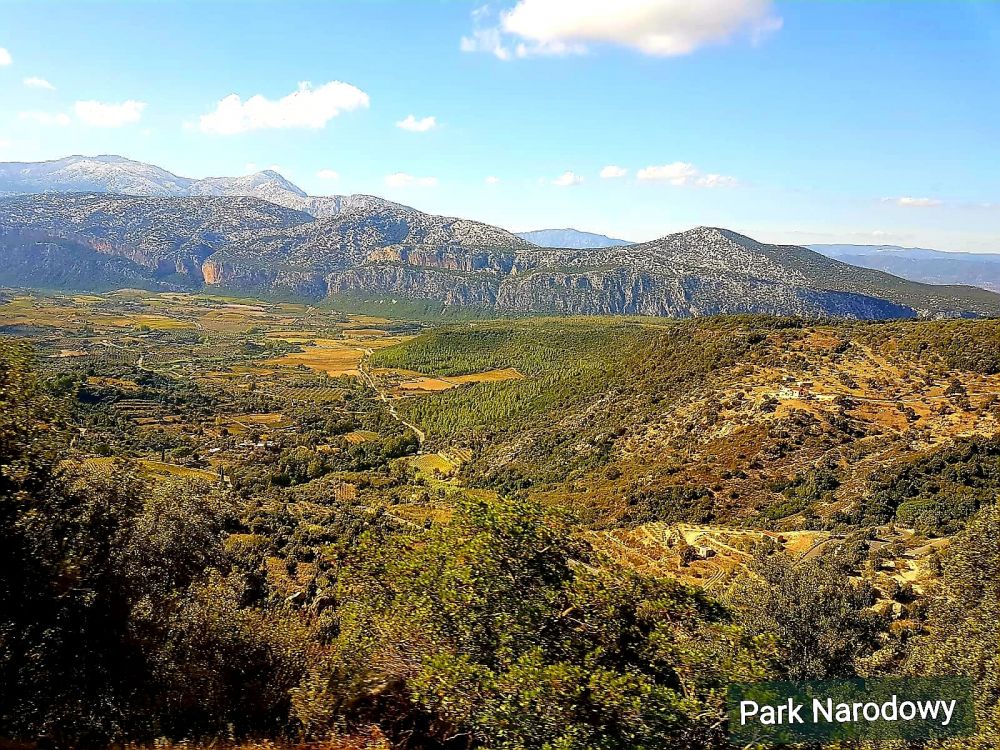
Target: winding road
<point>389,401</point>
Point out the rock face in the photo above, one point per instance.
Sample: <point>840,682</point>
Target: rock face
<point>162,236</point>
<point>377,249</point>
<point>570,238</point>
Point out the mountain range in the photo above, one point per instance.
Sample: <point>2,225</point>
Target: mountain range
<point>571,238</point>
<point>920,264</point>
<point>121,176</point>
<point>108,222</point>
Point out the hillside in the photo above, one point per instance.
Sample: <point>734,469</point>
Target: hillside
<point>359,519</point>
<point>757,422</point>
<point>381,253</point>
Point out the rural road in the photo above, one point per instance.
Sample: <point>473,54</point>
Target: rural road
<point>363,369</point>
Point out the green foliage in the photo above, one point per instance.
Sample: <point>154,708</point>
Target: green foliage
<point>492,627</point>
<point>955,344</point>
<point>812,486</point>
<point>818,618</point>
<point>323,585</point>
<point>938,491</point>
<point>962,635</point>
<point>113,619</point>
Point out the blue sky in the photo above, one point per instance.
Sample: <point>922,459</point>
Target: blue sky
<point>865,122</point>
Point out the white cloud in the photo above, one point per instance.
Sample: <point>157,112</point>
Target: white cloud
<point>307,107</point>
<point>677,173</point>
<point>491,180</point>
<point>414,125</point>
<point>653,27</point>
<point>328,174</point>
<point>402,179</point>
<point>96,114</point>
<point>682,174</point>
<point>716,180</point>
<point>486,40</point>
<point>913,202</point>
<point>34,82</point>
<point>102,115</point>
<point>60,119</point>
<point>5,58</point>
<point>568,179</point>
<point>612,172</point>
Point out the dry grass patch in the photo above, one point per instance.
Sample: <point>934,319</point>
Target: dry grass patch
<point>325,355</point>
<point>360,436</point>
<point>433,464</point>
<point>154,322</point>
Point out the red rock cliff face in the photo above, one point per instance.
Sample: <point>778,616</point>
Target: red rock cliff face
<point>211,272</point>
<point>103,246</point>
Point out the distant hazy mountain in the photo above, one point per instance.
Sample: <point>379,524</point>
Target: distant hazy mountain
<point>920,264</point>
<point>121,176</point>
<point>570,238</point>
<point>386,252</point>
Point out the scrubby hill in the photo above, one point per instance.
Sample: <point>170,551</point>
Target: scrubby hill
<point>754,421</point>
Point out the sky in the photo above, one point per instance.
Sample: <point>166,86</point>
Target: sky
<point>796,122</point>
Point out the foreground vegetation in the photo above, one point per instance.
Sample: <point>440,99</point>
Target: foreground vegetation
<point>246,528</point>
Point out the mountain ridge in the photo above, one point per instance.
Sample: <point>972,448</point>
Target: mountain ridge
<point>261,234</point>
<point>253,246</point>
<point>107,173</point>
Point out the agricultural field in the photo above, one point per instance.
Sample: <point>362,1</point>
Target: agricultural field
<point>192,386</point>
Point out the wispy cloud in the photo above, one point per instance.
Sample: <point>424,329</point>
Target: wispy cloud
<point>568,179</point>
<point>492,180</point>
<point>328,174</point>
<point>34,82</point>
<point>306,108</point>
<point>486,40</point>
<point>109,115</point>
<point>92,113</point>
<point>414,125</point>
<point>912,202</point>
<point>402,179</point>
<point>683,174</point>
<point>652,27</point>
<point>613,172</point>
<point>5,58</point>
